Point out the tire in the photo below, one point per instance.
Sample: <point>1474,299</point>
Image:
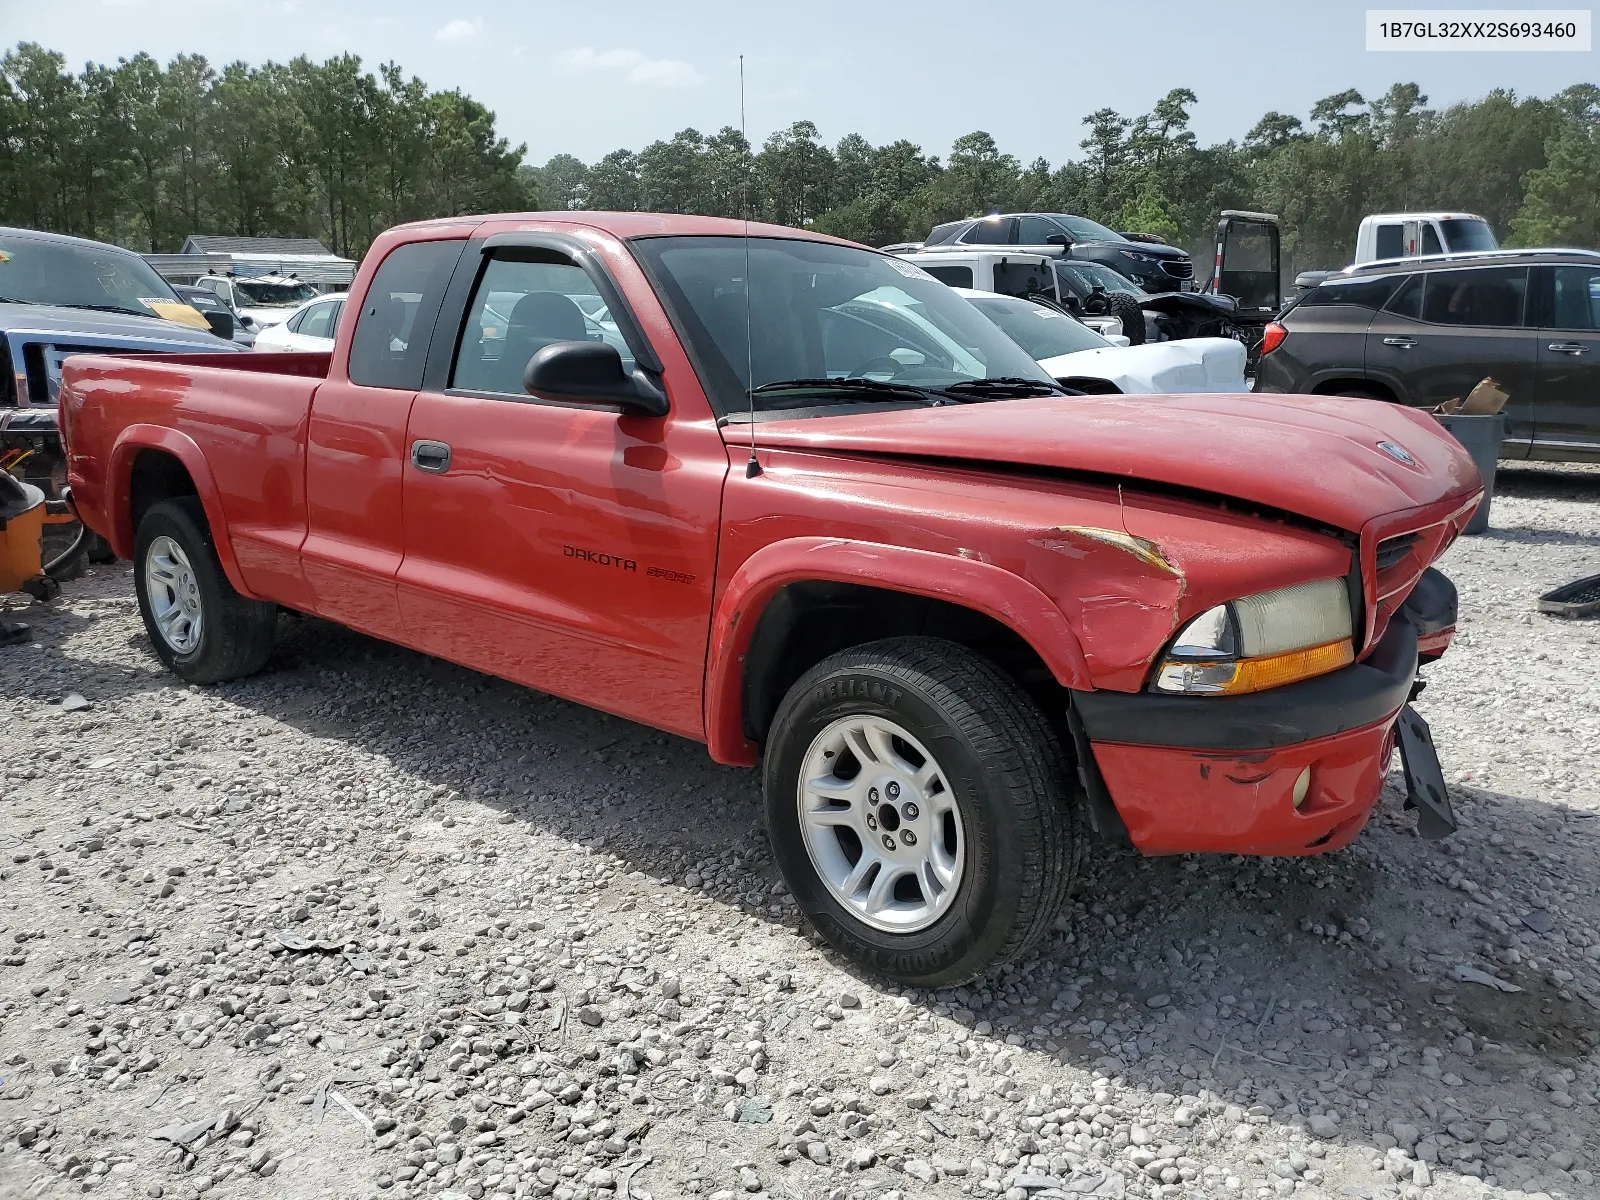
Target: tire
<point>218,634</point>
<point>100,550</point>
<point>1124,306</point>
<point>990,758</point>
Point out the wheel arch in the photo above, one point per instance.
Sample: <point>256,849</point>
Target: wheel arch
<point>770,624</point>
<point>1335,384</point>
<point>150,463</point>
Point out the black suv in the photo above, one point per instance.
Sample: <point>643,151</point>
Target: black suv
<point>1424,331</point>
<point>1154,266</point>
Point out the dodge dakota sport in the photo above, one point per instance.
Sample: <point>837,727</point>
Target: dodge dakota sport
<point>797,500</point>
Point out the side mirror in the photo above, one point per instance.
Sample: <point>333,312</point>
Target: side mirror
<point>221,323</point>
<point>1057,239</point>
<point>591,373</point>
<point>246,320</point>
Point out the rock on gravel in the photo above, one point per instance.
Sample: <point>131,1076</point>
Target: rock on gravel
<point>374,925</point>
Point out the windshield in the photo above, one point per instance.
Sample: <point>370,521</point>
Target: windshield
<point>1468,235</point>
<point>36,271</point>
<point>1084,230</point>
<point>274,295</point>
<point>1089,275</point>
<point>1042,332</point>
<point>821,311</point>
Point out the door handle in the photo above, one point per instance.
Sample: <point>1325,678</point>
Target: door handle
<point>1404,343</point>
<point>433,457</point>
<point>1568,347</point>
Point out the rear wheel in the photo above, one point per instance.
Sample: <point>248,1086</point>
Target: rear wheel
<point>1358,393</point>
<point>920,810</point>
<point>203,630</point>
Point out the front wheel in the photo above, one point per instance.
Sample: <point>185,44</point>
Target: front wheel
<point>201,628</point>
<point>920,810</point>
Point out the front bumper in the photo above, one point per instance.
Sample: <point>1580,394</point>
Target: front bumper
<point>1191,774</point>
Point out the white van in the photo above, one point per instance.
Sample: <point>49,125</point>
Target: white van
<point>1422,234</point>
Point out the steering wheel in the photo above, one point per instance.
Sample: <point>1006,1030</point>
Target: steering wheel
<point>883,362</point>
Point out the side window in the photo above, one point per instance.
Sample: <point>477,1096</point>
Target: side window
<point>525,300</point>
<point>1481,297</point>
<point>1365,293</point>
<point>991,231</point>
<point>390,343</point>
<point>293,323</point>
<point>1391,241</point>
<point>1032,231</point>
<point>1430,239</point>
<point>1577,298</point>
<point>952,276</point>
<point>317,321</point>
<point>1407,302</point>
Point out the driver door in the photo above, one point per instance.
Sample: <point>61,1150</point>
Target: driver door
<point>567,547</point>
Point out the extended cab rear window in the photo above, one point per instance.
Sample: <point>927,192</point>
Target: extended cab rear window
<point>392,333</point>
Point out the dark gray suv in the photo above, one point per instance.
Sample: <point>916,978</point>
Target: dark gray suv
<point>1423,331</point>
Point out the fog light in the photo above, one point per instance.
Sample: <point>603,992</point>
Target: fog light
<point>1302,785</point>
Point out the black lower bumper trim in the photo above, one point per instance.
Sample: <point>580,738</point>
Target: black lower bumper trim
<point>1350,698</point>
<point>1432,605</point>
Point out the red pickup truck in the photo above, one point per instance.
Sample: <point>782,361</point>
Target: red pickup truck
<point>796,499</point>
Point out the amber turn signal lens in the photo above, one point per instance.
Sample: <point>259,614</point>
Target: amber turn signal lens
<point>1259,674</point>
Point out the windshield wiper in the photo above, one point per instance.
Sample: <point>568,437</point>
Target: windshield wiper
<point>1002,387</point>
<point>110,308</point>
<point>871,389</point>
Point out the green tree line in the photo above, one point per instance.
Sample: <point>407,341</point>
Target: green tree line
<point>145,154</point>
<point>1531,166</point>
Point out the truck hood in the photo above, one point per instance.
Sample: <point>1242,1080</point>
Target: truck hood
<point>49,322</point>
<point>1334,460</point>
<point>1190,365</point>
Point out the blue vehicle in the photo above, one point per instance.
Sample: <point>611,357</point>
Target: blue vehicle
<point>61,296</point>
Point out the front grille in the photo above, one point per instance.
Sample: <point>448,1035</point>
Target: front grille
<point>1392,551</point>
<point>1178,268</point>
<point>1399,561</point>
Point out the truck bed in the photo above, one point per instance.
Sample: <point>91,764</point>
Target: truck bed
<point>238,419</point>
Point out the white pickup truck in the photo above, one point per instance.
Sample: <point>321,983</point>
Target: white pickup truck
<point>1422,234</point>
<point>260,301</point>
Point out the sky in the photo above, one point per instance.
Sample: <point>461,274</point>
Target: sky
<point>588,78</point>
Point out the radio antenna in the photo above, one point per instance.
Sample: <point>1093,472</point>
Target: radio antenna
<point>752,468</point>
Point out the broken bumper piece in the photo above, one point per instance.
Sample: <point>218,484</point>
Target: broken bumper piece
<point>1294,770</point>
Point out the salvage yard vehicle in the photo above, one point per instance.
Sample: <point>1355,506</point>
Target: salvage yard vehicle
<point>309,327</point>
<point>1154,266</point>
<point>1028,277</point>
<point>64,295</point>
<point>205,303</point>
<point>1082,360</point>
<point>1423,331</point>
<point>1422,234</point>
<point>958,617</point>
<point>259,302</point>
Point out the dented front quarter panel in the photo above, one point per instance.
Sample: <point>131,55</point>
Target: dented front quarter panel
<point>1123,569</point>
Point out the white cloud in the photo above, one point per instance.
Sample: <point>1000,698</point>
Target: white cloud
<point>632,66</point>
<point>459,30</point>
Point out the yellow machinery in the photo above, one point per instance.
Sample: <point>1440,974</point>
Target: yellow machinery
<point>21,523</point>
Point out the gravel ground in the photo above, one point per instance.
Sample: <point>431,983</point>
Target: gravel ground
<point>368,924</point>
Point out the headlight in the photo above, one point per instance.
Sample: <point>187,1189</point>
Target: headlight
<point>1137,257</point>
<point>1262,641</point>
